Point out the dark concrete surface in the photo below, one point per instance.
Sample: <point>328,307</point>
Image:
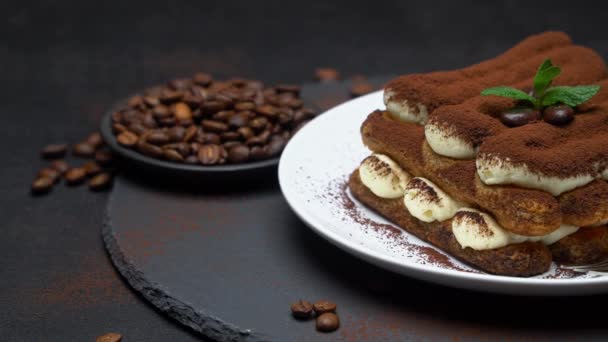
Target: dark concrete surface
<point>63,63</point>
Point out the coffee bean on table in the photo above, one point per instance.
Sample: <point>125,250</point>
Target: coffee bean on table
<point>324,306</point>
<point>49,173</point>
<point>326,74</point>
<point>109,337</point>
<point>100,182</point>
<point>360,88</point>
<point>60,166</point>
<point>211,154</point>
<point>327,322</point>
<point>558,115</point>
<point>54,151</point>
<point>238,154</point>
<point>92,168</point>
<point>42,185</point>
<point>301,309</point>
<point>83,149</point>
<point>103,157</point>
<point>95,140</point>
<point>75,175</point>
<point>127,138</point>
<point>519,116</point>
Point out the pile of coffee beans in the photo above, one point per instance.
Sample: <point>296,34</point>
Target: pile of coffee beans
<point>200,120</point>
<point>97,171</point>
<point>327,319</point>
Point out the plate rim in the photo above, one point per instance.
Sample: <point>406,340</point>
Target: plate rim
<point>384,260</point>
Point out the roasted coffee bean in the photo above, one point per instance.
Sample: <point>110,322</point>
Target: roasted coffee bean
<point>238,120</point>
<point>116,117</point>
<point>75,175</point>
<point>42,185</point>
<point>179,84</point>
<point>326,74</point>
<point>60,166</point>
<point>102,181</point>
<point>211,154</point>
<point>49,173</point>
<point>170,96</point>
<point>172,155</point>
<point>288,88</point>
<point>191,100</point>
<point>301,309</point>
<point>214,126</point>
<point>223,115</point>
<point>245,132</point>
<point>109,337</point>
<point>230,135</point>
<point>301,115</point>
<point>202,79</point>
<point>324,306</point>
<point>118,128</point>
<point>190,133</point>
<point>103,157</point>
<point>182,111</point>
<point>149,149</point>
<point>259,139</point>
<point>519,116</point>
<point>230,144</point>
<point>238,154</point>
<point>194,147</point>
<point>95,140</point>
<point>181,147</point>
<point>151,101</point>
<point>54,151</point>
<point>295,103</point>
<point>209,138</point>
<point>275,146</point>
<point>245,106</point>
<point>168,121</point>
<point>136,102</point>
<point>360,88</point>
<point>258,124</point>
<point>257,153</point>
<point>157,138</point>
<point>192,159</point>
<point>210,107</point>
<point>91,168</point>
<point>328,322</point>
<point>137,128</point>
<point>558,115</point>
<point>127,138</point>
<point>266,110</point>
<point>161,111</point>
<point>149,121</point>
<point>176,133</point>
<point>83,149</point>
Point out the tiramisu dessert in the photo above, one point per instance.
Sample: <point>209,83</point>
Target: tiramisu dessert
<point>503,164</point>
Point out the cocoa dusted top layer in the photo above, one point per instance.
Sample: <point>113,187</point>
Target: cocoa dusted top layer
<point>459,123</point>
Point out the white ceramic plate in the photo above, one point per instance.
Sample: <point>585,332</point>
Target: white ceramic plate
<point>313,171</point>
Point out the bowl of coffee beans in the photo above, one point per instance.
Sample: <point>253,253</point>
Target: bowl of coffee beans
<point>199,125</point>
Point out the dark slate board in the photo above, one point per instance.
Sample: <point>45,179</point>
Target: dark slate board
<point>228,262</point>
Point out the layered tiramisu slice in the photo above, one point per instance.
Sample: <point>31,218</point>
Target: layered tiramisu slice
<point>503,164</point>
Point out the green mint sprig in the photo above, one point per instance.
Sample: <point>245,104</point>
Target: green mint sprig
<point>544,95</point>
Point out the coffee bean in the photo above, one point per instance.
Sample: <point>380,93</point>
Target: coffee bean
<point>259,139</point>
<point>91,168</point>
<point>223,115</point>
<point>127,138</point>
<point>238,154</point>
<point>151,101</point>
<point>137,128</point>
<point>49,173</point>
<point>301,115</point>
<point>161,111</point>
<point>257,153</point>
<point>42,185</point>
<point>172,155</point>
<point>301,309</point>
<point>176,133</point>
<point>230,144</point>
<point>149,149</point>
<point>214,126</point>
<point>244,106</point>
<point>275,146</point>
<point>245,132</point>
<point>192,101</point>
<point>157,138</point>
<point>326,74</point>
<point>558,115</point>
<point>210,107</point>
<point>202,79</point>
<point>231,135</point>
<point>519,116</point>
<point>211,154</point>
<point>190,133</point>
<point>116,117</point>
<point>149,121</point>
<point>95,140</point>
<point>181,147</point>
<point>103,157</point>
<point>288,88</point>
<point>328,322</point>
<point>60,166</point>
<point>118,128</point>
<point>109,337</point>
<point>360,88</point>
<point>324,306</point>
<point>83,149</point>
<point>258,124</point>
<point>239,120</point>
<point>54,151</point>
<point>179,84</point>
<point>208,138</point>
<point>295,103</point>
<point>136,102</point>
<point>75,176</point>
<point>168,96</point>
<point>266,110</point>
<point>182,111</point>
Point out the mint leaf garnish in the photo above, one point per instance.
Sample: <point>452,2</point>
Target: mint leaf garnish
<point>509,92</point>
<point>572,96</point>
<point>545,74</point>
<point>544,94</point>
